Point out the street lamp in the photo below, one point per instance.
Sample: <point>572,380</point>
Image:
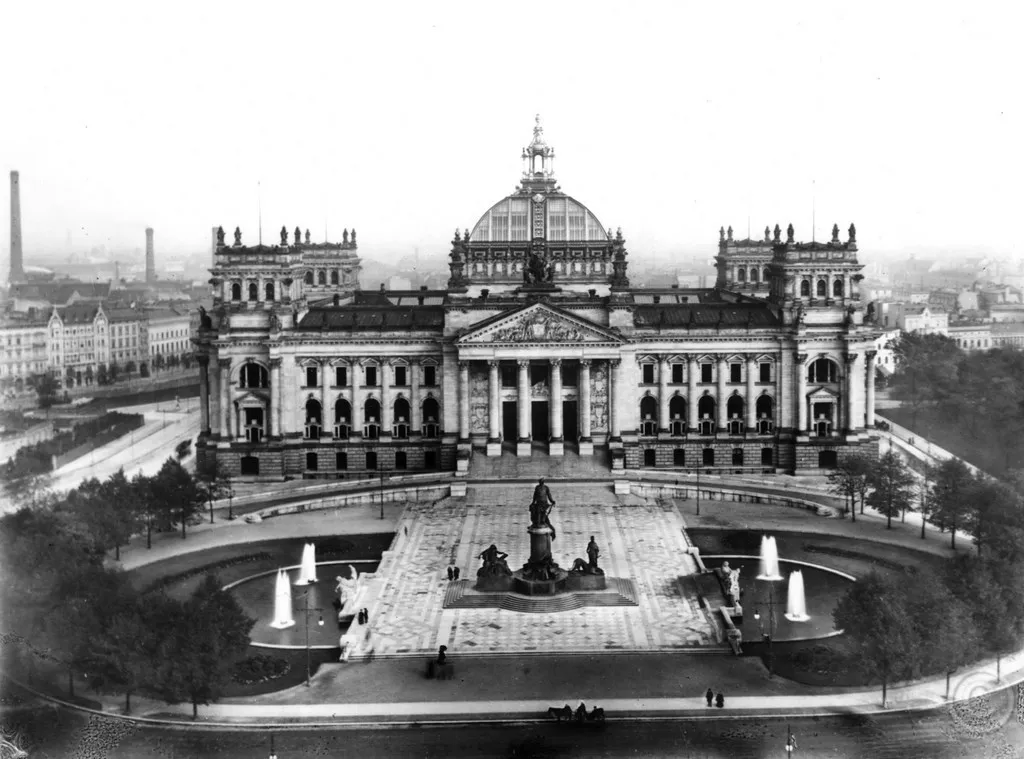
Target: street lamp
<point>767,636</point>
<point>381,493</point>
<point>320,622</point>
<point>698,491</point>
<point>273,754</point>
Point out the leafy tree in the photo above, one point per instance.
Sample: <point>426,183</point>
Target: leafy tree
<point>129,369</point>
<point>102,378</point>
<point>210,633</point>
<point>70,377</point>
<point>143,370</point>
<point>992,507</point>
<point>952,483</point>
<point>113,370</point>
<point>926,369</point>
<point>874,616</point>
<point>849,479</point>
<point>158,361</point>
<point>187,360</point>
<point>175,495</point>
<point>89,376</point>
<point>46,390</point>
<point>215,484</point>
<point>893,486</point>
<point>27,480</point>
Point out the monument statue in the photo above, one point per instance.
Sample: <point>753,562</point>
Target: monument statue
<point>731,579</point>
<point>592,553</point>
<point>534,272</point>
<point>494,564</point>
<point>541,507</point>
<point>347,589</point>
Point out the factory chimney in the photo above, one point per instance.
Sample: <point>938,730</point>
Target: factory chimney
<point>17,263</point>
<point>150,260</point>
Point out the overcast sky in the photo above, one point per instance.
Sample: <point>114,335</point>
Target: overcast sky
<point>407,120</point>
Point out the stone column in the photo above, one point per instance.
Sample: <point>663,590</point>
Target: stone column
<point>523,408</point>
<point>327,414</point>
<point>494,408</point>
<point>801,394</point>
<point>614,390</point>
<point>463,401</point>
<point>556,446</point>
<point>852,365</point>
<point>751,406</point>
<point>213,377</point>
<point>225,398</point>
<point>415,411</point>
<point>586,439</point>
<point>204,394</point>
<point>276,395</point>
<point>691,393</point>
<point>386,420</point>
<point>869,403</point>
<point>355,410</point>
<point>720,403</point>
<point>664,421</point>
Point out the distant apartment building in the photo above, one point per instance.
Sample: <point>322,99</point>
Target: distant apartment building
<point>914,317</point>
<point>126,337</point>
<point>954,301</point>
<point>77,338</point>
<point>885,358</point>
<point>169,332</point>
<point>972,337</point>
<point>23,351</point>
<point>1008,335</point>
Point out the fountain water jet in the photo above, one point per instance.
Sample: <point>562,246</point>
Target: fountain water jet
<point>282,602</point>
<point>769,559</point>
<point>796,602</point>
<point>307,571</point>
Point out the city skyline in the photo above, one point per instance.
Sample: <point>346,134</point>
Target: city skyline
<point>408,127</point>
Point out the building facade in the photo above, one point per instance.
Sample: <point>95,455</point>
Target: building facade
<point>23,352</point>
<point>538,345</point>
<point>168,333</point>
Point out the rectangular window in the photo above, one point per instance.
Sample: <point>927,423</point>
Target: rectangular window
<point>509,375</point>
<point>677,374</point>
<point>399,376</point>
<point>570,375</point>
<point>430,376</point>
<point>648,373</point>
<point>520,230</point>
<point>371,459</point>
<point>341,460</point>
<point>340,376</point>
<point>766,372</point>
<point>371,376</point>
<point>311,376</point>
<point>705,372</point>
<point>735,373</point>
<point>311,462</point>
<point>401,460</point>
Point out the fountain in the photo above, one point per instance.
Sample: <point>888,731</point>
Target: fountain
<point>769,559</point>
<point>307,571</point>
<point>796,602</point>
<point>282,602</point>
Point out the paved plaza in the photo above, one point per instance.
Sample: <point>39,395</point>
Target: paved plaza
<point>640,540</point>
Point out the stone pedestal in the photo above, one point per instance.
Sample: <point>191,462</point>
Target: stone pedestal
<point>540,575</point>
<point>524,448</point>
<point>493,447</point>
<point>502,583</point>
<point>586,448</point>
<point>583,581</point>
<point>556,448</point>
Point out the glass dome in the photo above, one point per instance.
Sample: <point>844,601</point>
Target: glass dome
<point>566,219</point>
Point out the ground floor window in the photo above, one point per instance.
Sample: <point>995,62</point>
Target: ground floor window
<point>311,462</point>
<point>709,457</point>
<point>430,459</point>
<point>737,457</point>
<point>401,461</point>
<point>767,456</point>
<point>827,460</point>
<point>650,457</point>
<point>679,457</point>
<point>341,460</point>
<point>371,459</point>
<point>250,465</point>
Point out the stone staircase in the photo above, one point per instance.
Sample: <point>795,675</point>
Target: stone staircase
<point>620,592</point>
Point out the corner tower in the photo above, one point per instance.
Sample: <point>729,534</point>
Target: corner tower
<point>538,238</point>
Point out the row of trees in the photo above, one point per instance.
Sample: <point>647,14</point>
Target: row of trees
<point>977,396</point>
<point>64,604</point>
<point>916,624</point>
<point>48,388</point>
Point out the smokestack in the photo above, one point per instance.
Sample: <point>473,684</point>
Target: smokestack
<point>150,260</point>
<point>17,264</point>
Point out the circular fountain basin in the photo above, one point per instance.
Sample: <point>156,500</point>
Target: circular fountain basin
<point>255,594</point>
<point>823,587</point>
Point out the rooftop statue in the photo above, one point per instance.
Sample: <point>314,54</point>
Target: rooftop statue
<point>789,233</point>
<point>238,236</point>
<point>344,237</point>
<point>767,234</point>
<point>284,237</point>
<point>853,233</point>
<point>778,234</point>
<point>835,233</point>
<point>298,235</point>
<point>307,237</point>
<point>220,236</point>
<point>721,234</point>
<point>729,233</point>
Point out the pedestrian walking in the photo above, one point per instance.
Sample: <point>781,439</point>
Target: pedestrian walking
<point>359,616</point>
<point>710,696</point>
<point>451,574</point>
<point>790,745</point>
<point>456,573</point>
<point>366,616</point>
<point>719,700</point>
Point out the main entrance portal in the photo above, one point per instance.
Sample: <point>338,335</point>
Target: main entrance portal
<point>570,432</point>
<point>540,421</point>
<point>509,422</point>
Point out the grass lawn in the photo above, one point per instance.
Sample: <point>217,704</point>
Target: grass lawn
<point>933,425</point>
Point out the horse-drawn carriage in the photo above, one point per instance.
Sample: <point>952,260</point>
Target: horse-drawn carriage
<point>580,716</point>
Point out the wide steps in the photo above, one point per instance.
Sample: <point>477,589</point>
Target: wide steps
<point>620,592</point>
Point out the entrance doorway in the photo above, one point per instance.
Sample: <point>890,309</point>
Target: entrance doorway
<point>509,421</point>
<point>570,430</point>
<point>540,421</point>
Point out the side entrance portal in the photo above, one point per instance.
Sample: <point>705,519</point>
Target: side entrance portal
<point>541,431</point>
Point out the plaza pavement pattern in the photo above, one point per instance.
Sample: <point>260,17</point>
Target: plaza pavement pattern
<point>640,539</point>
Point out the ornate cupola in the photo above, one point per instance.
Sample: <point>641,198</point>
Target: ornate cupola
<point>538,239</point>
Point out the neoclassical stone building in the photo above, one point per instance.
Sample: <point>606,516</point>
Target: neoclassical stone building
<point>537,346</point>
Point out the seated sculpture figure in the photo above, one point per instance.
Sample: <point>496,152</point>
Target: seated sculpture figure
<point>494,563</point>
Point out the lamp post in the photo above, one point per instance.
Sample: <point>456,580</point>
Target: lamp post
<point>698,491</point>
<point>381,493</point>
<point>767,636</point>
<point>320,622</point>
<point>273,754</point>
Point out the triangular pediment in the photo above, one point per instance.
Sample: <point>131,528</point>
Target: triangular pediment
<point>823,394</point>
<point>538,323</point>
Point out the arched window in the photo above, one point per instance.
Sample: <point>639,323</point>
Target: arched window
<point>269,291</point>
<point>342,419</point>
<point>734,407</point>
<point>765,408</point>
<point>321,278</point>
<point>401,417</point>
<point>805,288</point>
<point>741,275</point>
<point>753,274</point>
<point>236,291</point>
<point>823,370</point>
<point>764,275</point>
<point>371,419</point>
<point>648,416</point>
<point>677,414</point>
<point>309,278</point>
<point>837,288</point>
<point>313,419</point>
<point>431,418</point>
<point>254,291</point>
<point>253,375</point>
<point>334,276</point>
<point>706,407</point>
<point>822,288</point>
